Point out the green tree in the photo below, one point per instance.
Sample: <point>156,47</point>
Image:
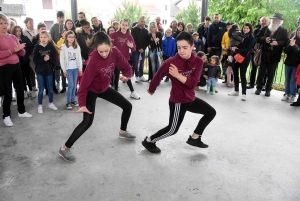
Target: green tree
<point>189,14</point>
<point>241,11</point>
<point>130,11</point>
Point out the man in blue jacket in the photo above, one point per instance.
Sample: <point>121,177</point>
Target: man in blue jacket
<point>214,36</point>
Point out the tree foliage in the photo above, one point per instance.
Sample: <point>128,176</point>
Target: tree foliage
<point>189,14</point>
<point>241,11</point>
<point>130,11</point>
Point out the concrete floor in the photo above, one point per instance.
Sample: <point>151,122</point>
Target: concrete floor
<point>253,152</point>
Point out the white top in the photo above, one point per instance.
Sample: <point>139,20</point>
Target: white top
<point>64,58</point>
<point>72,58</point>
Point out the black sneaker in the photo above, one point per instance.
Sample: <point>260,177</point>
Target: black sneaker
<point>268,94</point>
<point>250,87</point>
<point>54,91</point>
<point>263,89</point>
<point>63,91</point>
<point>224,82</point>
<point>196,142</point>
<point>151,147</point>
<point>297,104</point>
<point>258,91</point>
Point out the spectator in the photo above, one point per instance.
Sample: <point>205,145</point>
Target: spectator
<point>198,43</point>
<point>225,48</point>
<point>297,103</point>
<point>81,16</point>
<point>213,73</point>
<point>264,21</point>
<point>10,71</point>
<point>203,76</point>
<point>40,27</point>
<point>116,25</point>
<point>173,26</point>
<point>189,28</point>
<point>11,23</point>
<point>243,49</point>
<point>69,25</point>
<point>110,30</point>
<point>140,35</point>
<point>214,36</point>
<point>203,30</point>
<point>159,25</point>
<point>180,28</point>
<point>274,38</point>
<point>292,50</point>
<point>97,25</point>
<point>168,47</point>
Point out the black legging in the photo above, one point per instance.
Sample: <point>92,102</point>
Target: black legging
<point>111,96</point>
<point>26,75</point>
<point>177,112</point>
<point>243,69</point>
<point>116,80</point>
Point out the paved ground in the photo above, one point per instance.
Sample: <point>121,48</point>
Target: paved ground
<point>253,154</point>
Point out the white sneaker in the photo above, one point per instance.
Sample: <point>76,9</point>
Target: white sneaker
<point>26,95</point>
<point>285,97</point>
<point>135,96</point>
<point>25,114</point>
<point>234,93</point>
<point>143,79</point>
<point>40,110</point>
<point>291,99</point>
<point>32,94</point>
<point>52,106</point>
<point>57,85</point>
<point>137,79</point>
<point>244,97</point>
<point>7,121</point>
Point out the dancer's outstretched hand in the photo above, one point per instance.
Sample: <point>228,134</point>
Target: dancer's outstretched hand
<point>82,110</point>
<point>124,79</point>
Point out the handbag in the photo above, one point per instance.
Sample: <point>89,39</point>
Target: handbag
<point>257,56</point>
<point>239,58</point>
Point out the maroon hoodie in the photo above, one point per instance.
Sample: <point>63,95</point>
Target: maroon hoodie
<point>120,39</point>
<point>98,73</point>
<point>190,68</point>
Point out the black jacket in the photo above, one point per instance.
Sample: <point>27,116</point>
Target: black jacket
<point>245,48</point>
<point>98,28</point>
<point>202,31</point>
<point>272,55</point>
<point>292,54</point>
<point>43,67</point>
<point>140,36</point>
<point>28,49</point>
<point>213,71</point>
<point>77,23</point>
<point>82,37</point>
<point>215,34</point>
<point>152,43</point>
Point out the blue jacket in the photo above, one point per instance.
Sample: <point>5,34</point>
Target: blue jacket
<point>199,45</point>
<point>169,46</point>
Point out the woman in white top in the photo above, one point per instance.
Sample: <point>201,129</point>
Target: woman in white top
<point>71,65</point>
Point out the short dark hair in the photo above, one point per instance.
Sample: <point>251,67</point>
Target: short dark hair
<point>27,20</point>
<point>248,24</point>
<point>185,36</point>
<point>200,54</point>
<point>93,18</point>
<point>40,25</point>
<point>207,18</point>
<point>81,13</point>
<point>60,14</point>
<point>99,38</point>
<point>229,23</point>
<point>109,29</point>
<point>84,23</point>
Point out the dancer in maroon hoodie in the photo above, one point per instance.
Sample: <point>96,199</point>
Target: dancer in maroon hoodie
<point>123,40</point>
<point>95,83</point>
<point>184,76</point>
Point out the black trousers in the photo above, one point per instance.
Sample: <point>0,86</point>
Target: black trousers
<point>216,51</point>
<point>270,68</point>
<point>116,80</point>
<point>111,96</point>
<point>236,75</point>
<point>12,73</point>
<point>32,77</point>
<point>26,75</point>
<point>177,113</point>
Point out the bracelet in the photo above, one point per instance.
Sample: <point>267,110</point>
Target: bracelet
<point>9,52</point>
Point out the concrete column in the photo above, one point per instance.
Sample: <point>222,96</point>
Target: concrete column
<point>74,10</point>
<point>204,10</point>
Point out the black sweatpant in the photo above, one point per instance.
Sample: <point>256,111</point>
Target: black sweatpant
<point>111,96</point>
<point>116,80</point>
<point>270,68</point>
<point>12,73</point>
<point>26,75</point>
<point>177,112</point>
<point>243,70</point>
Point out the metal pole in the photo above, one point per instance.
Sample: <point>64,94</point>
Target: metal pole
<point>204,10</point>
<point>74,10</point>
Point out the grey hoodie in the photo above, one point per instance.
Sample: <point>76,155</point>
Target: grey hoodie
<point>55,31</point>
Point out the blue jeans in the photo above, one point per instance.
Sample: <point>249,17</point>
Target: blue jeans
<point>138,71</point>
<point>211,82</point>
<point>72,77</point>
<point>42,80</point>
<point>290,80</point>
<point>154,61</point>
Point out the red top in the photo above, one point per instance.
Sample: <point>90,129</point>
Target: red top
<point>98,73</point>
<point>298,75</point>
<point>120,39</point>
<point>7,50</point>
<point>190,68</point>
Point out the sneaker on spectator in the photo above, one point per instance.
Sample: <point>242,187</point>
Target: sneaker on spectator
<point>40,109</point>
<point>143,79</point>
<point>52,106</point>
<point>291,99</point>
<point>66,155</point>
<point>69,106</point>
<point>234,93</point>
<point>126,135</point>
<point>7,121</point>
<point>34,88</point>
<point>285,97</point>
<point>137,79</point>
<point>57,85</point>
<point>244,97</point>
<point>135,96</point>
<point>74,104</point>
<point>26,95</point>
<point>32,94</point>
<point>25,114</point>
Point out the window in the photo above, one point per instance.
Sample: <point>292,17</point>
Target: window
<point>49,24</point>
<point>47,4</point>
